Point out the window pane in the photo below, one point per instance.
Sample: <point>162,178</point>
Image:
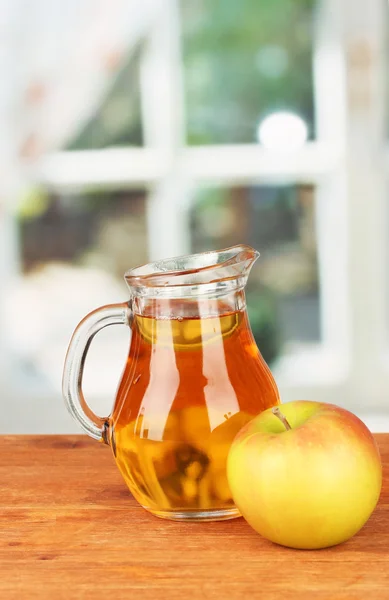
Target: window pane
<point>244,60</point>
<point>97,229</point>
<point>117,120</point>
<point>74,252</point>
<point>283,289</point>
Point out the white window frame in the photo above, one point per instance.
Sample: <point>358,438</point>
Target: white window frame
<point>345,163</point>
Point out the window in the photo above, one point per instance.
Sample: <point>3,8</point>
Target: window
<point>173,147</point>
<point>283,289</point>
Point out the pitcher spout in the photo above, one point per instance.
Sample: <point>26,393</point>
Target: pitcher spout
<point>239,259</point>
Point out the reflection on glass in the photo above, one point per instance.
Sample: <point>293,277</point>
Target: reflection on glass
<point>242,61</point>
<point>283,292</point>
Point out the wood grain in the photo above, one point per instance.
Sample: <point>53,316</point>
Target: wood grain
<point>70,529</point>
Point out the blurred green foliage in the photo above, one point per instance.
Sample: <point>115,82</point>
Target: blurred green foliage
<point>243,60</point>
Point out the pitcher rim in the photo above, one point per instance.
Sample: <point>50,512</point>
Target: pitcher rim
<point>239,259</point>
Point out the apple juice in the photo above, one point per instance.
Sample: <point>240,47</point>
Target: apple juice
<point>188,387</point>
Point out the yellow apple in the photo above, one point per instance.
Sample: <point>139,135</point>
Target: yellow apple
<point>305,474</point>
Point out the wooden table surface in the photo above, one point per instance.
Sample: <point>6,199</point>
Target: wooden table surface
<point>70,529</point>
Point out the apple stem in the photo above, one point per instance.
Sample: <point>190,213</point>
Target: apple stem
<point>276,411</point>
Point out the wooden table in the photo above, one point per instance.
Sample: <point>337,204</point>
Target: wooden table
<point>70,529</point>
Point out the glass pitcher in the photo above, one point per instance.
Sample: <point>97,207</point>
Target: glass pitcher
<point>194,376</point>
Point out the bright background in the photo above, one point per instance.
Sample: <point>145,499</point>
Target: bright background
<point>133,130</point>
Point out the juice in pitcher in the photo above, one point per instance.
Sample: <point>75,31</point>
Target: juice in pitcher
<point>189,385</point>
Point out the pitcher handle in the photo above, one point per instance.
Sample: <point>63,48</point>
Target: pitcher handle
<point>112,314</point>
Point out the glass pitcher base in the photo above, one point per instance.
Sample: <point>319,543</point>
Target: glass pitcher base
<point>196,515</point>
